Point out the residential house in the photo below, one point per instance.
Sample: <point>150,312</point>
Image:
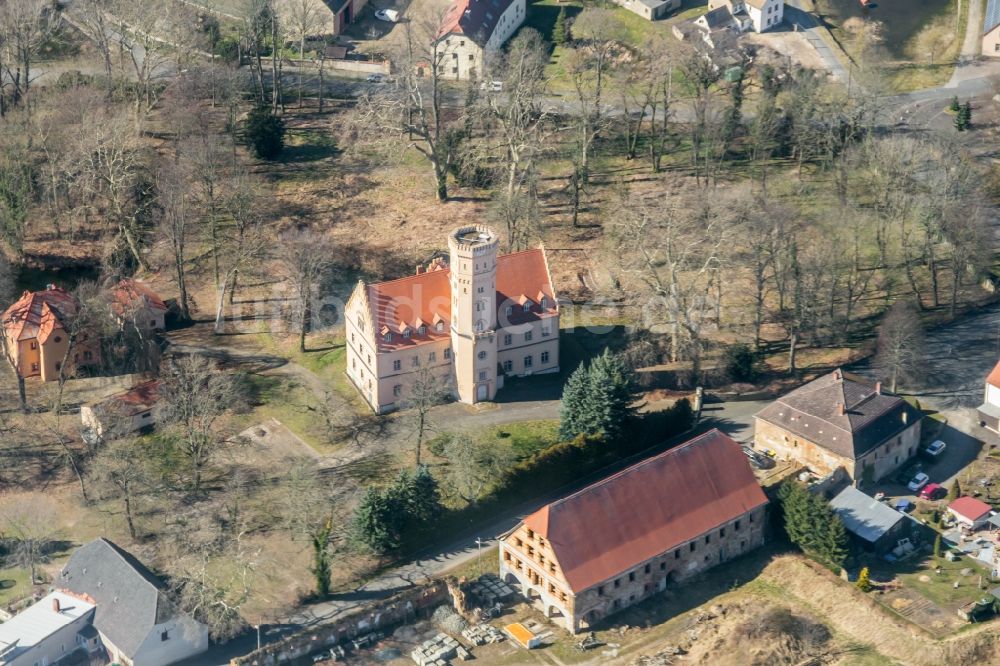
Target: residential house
<point>989,411</point>
<point>651,10</point>
<point>746,15</point>
<point>135,304</point>
<point>326,18</point>
<point>876,526</point>
<point>991,29</point>
<point>122,413</point>
<point>54,630</point>
<point>841,420</point>
<point>970,513</point>
<point>637,533</point>
<point>470,320</point>
<point>471,30</point>
<point>35,328</point>
<point>137,623</point>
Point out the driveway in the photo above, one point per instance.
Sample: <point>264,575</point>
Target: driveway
<point>805,23</point>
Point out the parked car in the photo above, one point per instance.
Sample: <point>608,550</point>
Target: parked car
<point>491,86</point>
<point>933,491</point>
<point>390,15</point>
<point>918,482</point>
<point>375,78</point>
<point>936,448</point>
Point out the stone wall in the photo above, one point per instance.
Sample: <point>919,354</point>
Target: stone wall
<point>383,616</point>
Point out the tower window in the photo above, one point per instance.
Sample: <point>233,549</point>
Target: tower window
<point>482,375</point>
<point>482,355</point>
<point>397,365</point>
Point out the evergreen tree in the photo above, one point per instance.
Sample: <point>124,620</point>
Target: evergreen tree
<point>967,115</point>
<point>560,32</point>
<point>321,568</point>
<point>574,397</point>
<point>954,106</point>
<point>420,496</point>
<point>955,491</point>
<point>834,546</point>
<point>375,523</point>
<point>864,583</point>
<point>937,545</point>
<point>959,121</point>
<point>812,525</point>
<point>264,133</point>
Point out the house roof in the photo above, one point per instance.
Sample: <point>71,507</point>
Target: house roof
<point>717,18</point>
<point>970,508</point>
<point>991,17</point>
<point>869,416</point>
<point>618,523</point>
<point>130,598</point>
<point>37,313</point>
<point>476,19</point>
<point>425,299</point>
<point>863,515</point>
<point>994,377</point>
<point>132,295</point>
<point>32,626</point>
<point>139,398</point>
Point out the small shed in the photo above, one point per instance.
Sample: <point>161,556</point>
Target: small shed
<point>123,412</point>
<point>970,512</point>
<point>875,526</point>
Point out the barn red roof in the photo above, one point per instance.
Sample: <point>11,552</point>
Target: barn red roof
<point>131,295</point>
<point>970,507</point>
<point>37,313</point>
<point>476,19</point>
<point>139,398</point>
<point>425,299</point>
<point>652,507</point>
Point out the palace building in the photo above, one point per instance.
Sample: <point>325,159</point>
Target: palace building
<point>468,321</point>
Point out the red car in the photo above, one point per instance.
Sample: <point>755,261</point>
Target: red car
<point>933,491</point>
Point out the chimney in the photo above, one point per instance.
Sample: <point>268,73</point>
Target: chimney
<point>420,269</point>
<point>878,388</point>
<point>55,605</point>
<point>841,408</point>
<point>837,375</point>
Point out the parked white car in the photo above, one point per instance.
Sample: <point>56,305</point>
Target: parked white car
<point>918,482</point>
<point>390,15</point>
<point>491,86</point>
<point>936,448</point>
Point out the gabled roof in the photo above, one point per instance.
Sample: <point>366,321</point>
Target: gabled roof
<point>132,295</point>
<point>426,296</point>
<point>717,18</point>
<point>138,399</point>
<point>991,17</point>
<point>32,626</point>
<point>993,379</point>
<point>37,313</point>
<point>842,412</point>
<point>130,598</point>
<point>647,509</point>
<point>476,19</point>
<point>970,508</point>
<point>863,515</point>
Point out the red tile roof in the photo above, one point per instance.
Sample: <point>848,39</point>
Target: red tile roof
<point>994,376</point>
<point>131,295</point>
<point>652,507</point>
<point>139,398</point>
<point>425,299</point>
<point>476,19</point>
<point>37,313</point>
<point>970,507</point>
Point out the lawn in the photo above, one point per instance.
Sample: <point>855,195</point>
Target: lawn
<point>922,578</point>
<point>13,585</point>
<point>525,437</point>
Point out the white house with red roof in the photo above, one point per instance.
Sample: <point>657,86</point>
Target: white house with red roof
<point>989,411</point>
<point>470,30</point>
<point>34,328</point>
<point>472,320</point>
<point>136,304</point>
<point>123,412</point>
<point>970,512</point>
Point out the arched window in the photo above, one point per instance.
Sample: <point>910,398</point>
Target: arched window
<point>480,326</point>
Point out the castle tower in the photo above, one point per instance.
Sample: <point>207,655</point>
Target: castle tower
<point>473,265</point>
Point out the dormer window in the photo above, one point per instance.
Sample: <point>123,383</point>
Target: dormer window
<point>387,337</point>
<point>544,303</point>
<point>406,333</point>
<point>509,310</point>
<point>439,327</point>
<point>422,330</point>
<point>527,306</point>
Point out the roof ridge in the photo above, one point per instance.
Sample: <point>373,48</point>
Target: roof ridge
<point>638,465</point>
<point>121,552</point>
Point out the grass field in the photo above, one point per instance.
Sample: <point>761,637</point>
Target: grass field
<point>13,585</point>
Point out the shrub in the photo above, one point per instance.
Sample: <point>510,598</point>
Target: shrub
<point>228,49</point>
<point>739,363</point>
<point>937,545</point>
<point>264,133</point>
<point>864,583</point>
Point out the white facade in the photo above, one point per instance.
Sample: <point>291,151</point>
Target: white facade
<point>460,55</point>
<point>45,632</point>
<point>168,642</point>
<point>756,15</point>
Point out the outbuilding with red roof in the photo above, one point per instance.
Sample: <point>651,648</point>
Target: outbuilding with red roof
<point>970,512</point>
<point>989,411</point>
<point>637,533</point>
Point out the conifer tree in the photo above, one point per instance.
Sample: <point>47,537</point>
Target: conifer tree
<point>967,115</point>
<point>937,545</point>
<point>560,32</point>
<point>597,399</point>
<point>954,106</point>
<point>955,491</point>
<point>864,582</point>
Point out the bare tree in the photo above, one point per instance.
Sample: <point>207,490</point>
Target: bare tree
<point>30,523</point>
<point>242,242</point>
<point>305,18</point>
<point>900,345</point>
<point>120,469</point>
<point>193,396</point>
<point>474,466</point>
<point>306,259</point>
<point>425,391</point>
<point>25,25</point>
<point>176,227</point>
<point>6,298</point>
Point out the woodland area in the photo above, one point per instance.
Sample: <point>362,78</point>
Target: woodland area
<point>700,205</point>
